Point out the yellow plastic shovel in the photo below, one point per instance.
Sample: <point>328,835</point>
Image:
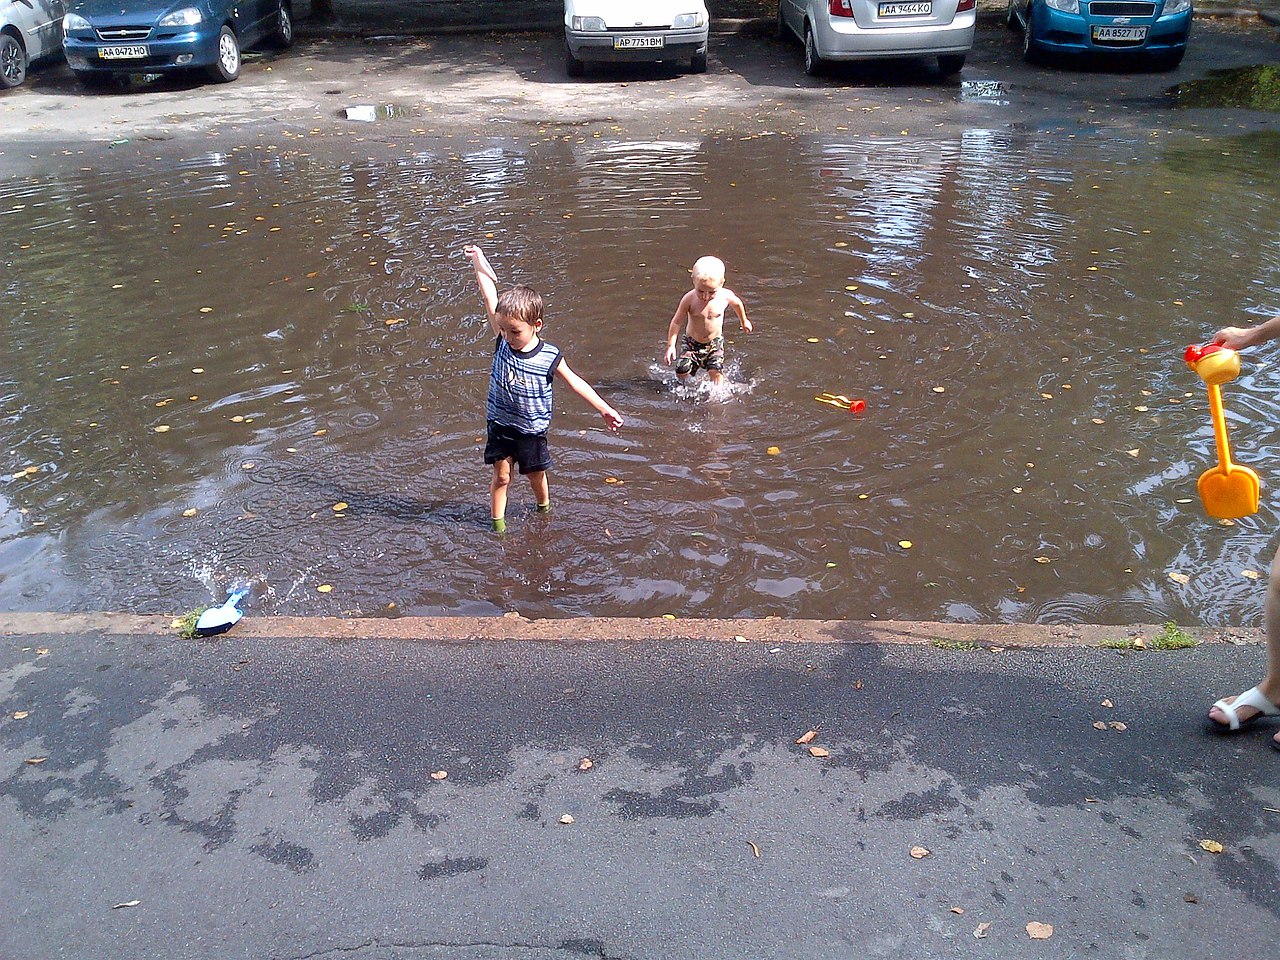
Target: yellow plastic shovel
<point>1228,491</point>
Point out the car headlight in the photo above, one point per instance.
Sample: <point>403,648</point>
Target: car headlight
<point>684,21</point>
<point>589,24</point>
<point>1066,6</point>
<point>1176,6</point>
<point>186,17</point>
<point>73,21</point>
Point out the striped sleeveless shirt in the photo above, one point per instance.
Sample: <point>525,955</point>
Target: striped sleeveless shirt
<point>520,386</point>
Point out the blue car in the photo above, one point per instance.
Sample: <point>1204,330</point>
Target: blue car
<point>110,38</point>
<point>1152,30</point>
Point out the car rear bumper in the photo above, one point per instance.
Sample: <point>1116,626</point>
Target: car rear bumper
<point>179,52</point>
<point>1068,33</point>
<point>676,45</point>
<point>848,41</point>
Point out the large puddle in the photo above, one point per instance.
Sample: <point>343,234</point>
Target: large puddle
<point>201,359</point>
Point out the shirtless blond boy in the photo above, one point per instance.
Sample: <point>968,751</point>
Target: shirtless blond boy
<point>701,314</point>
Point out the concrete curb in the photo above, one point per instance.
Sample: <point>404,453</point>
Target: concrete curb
<point>513,627</point>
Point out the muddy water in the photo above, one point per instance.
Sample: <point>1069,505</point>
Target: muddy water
<point>202,358</point>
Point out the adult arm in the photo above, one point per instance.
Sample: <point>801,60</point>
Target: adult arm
<point>487,281</point>
<point>1238,338</point>
<point>585,391</point>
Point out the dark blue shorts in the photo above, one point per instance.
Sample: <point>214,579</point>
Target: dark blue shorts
<point>529,450</point>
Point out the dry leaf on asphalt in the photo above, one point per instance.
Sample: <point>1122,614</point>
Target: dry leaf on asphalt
<point>1039,931</point>
<point>919,853</point>
<point>440,775</point>
<point>754,849</point>
<point>981,931</point>
<point>819,752</point>
<point>958,911</point>
<point>566,819</point>
<point>585,763</point>
<point>807,737</point>
<point>21,714</point>
<point>36,761</point>
<point>127,903</point>
<point>1212,846</point>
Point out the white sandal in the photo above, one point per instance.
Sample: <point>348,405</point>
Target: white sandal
<point>1253,697</point>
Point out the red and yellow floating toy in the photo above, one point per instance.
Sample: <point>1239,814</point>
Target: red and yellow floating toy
<point>1228,491</point>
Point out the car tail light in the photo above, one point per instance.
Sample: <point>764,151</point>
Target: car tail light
<point>964,5</point>
<point>842,8</point>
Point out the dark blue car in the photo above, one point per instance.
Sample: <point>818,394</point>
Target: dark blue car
<point>106,38</point>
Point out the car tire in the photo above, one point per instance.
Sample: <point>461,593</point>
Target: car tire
<point>13,61</point>
<point>813,64</point>
<point>282,32</point>
<point>1011,15</point>
<point>699,63</point>
<point>1030,52</point>
<point>949,64</point>
<point>227,65</point>
<point>572,65</point>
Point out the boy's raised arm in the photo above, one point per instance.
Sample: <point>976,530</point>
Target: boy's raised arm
<point>486,280</point>
<point>587,393</point>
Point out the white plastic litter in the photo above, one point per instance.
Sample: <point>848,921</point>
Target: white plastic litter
<point>365,112</point>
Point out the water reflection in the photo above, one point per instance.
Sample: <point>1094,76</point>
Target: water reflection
<point>204,357</point>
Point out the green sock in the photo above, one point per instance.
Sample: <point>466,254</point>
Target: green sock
<point>544,507</point>
<point>499,525</point>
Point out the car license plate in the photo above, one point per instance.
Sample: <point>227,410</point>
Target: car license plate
<point>1136,34</point>
<point>124,53</point>
<point>636,43</point>
<point>916,9</point>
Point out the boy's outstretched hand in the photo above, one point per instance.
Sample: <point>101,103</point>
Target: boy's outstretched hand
<point>612,418</point>
<point>479,261</point>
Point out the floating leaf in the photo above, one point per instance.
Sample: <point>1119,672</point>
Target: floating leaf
<point>813,340</point>
<point>190,512</point>
<point>1044,560</point>
<point>1039,931</point>
<point>1134,452</point>
<point>1098,420</point>
<point>1250,574</point>
<point>939,389</point>
<point>197,369</point>
<point>773,451</point>
<point>163,428</point>
<point>905,544</point>
<point>1181,578</point>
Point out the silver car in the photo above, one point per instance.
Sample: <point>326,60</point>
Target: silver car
<point>29,30</point>
<point>874,29</point>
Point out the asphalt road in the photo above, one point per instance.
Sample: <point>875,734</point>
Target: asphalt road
<point>252,798</point>
<point>514,85</point>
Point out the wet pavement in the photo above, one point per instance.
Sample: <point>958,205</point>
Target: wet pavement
<point>291,798</point>
<point>269,321</point>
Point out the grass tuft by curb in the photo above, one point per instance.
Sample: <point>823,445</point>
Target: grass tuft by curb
<point>1170,637</point>
<point>955,645</point>
<point>185,625</point>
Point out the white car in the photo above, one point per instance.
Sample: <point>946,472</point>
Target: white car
<point>29,30</point>
<point>634,31</point>
<point>873,29</point>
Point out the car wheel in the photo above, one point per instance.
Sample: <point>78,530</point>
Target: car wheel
<point>227,67</point>
<point>13,61</point>
<point>1030,53</point>
<point>699,63</point>
<point>1011,15</point>
<point>950,64</point>
<point>572,65</point>
<point>813,64</point>
<point>282,32</point>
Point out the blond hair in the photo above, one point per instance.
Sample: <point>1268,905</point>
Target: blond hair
<point>708,268</point>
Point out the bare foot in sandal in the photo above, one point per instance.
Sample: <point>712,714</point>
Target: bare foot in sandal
<point>1232,713</point>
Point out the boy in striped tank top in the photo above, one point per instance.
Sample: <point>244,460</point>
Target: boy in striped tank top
<point>518,409</point>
